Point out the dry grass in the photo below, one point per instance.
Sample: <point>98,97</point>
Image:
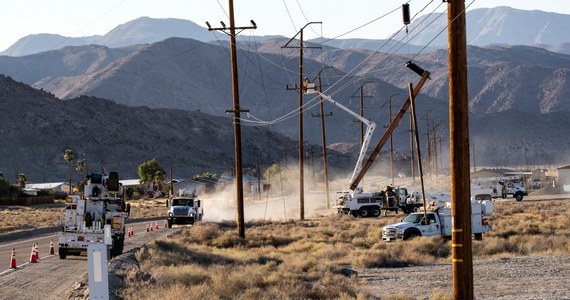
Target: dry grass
<point>319,258</point>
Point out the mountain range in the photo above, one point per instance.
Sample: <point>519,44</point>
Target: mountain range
<point>485,26</point>
<point>36,128</point>
<point>170,95</point>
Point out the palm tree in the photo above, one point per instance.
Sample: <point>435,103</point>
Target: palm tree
<point>68,156</point>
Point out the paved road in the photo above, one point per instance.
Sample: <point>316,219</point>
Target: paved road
<point>51,277</point>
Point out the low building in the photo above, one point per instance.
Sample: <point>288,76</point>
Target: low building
<point>564,178</point>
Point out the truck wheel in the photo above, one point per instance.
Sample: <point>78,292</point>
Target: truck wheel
<point>410,234</point>
<point>169,224</point>
<point>62,253</point>
<point>519,196</point>
<point>363,212</point>
<point>478,236</point>
<point>375,211</point>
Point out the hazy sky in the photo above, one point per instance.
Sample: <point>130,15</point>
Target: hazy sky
<point>75,18</point>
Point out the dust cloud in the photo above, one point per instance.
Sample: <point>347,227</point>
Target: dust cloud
<point>282,202</point>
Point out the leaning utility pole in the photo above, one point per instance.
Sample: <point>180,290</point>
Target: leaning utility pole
<point>236,110</point>
<point>301,152</point>
<point>462,260</point>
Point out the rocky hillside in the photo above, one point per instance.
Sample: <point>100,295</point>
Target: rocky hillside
<point>188,74</point>
<point>500,77</point>
<point>36,128</point>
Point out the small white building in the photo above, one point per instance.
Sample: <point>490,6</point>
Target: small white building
<point>50,186</point>
<point>564,178</point>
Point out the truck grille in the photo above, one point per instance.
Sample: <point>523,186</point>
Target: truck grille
<point>180,211</point>
<point>390,231</point>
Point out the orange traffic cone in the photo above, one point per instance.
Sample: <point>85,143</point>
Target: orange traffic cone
<point>129,232</point>
<point>13,259</point>
<point>147,230</point>
<point>151,227</point>
<point>37,251</point>
<point>33,258</point>
<point>156,225</point>
<point>51,249</point>
<point>132,232</point>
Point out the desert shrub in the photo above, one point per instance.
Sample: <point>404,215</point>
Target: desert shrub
<point>494,246</point>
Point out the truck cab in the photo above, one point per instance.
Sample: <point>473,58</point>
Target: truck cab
<point>184,209</point>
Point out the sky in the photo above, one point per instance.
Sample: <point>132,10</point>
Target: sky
<point>73,18</point>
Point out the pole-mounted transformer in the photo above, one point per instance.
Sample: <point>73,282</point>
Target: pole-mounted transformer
<point>406,15</point>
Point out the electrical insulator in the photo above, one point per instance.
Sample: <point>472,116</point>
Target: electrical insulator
<point>406,13</point>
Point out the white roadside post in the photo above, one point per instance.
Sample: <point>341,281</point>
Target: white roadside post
<point>97,271</point>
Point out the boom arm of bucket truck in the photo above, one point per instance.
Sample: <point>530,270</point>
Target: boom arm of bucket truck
<point>371,125</point>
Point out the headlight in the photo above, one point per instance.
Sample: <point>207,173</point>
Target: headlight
<point>170,214</point>
<point>191,215</point>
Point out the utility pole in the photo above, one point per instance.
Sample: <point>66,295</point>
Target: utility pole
<point>361,89</point>
<point>462,259</point>
<point>428,138</point>
<point>412,149</point>
<point>391,140</point>
<point>236,110</point>
<point>258,173</point>
<point>417,138</point>
<point>300,88</point>
<point>324,139</point>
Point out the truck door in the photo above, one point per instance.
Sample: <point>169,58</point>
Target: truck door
<point>432,227</point>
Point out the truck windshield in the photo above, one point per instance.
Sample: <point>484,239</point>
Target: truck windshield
<point>182,202</point>
<point>413,218</point>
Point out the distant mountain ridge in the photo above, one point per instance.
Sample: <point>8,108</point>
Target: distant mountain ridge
<point>498,25</point>
<point>485,26</point>
<point>142,30</point>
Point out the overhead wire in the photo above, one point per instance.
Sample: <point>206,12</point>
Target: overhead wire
<point>444,28</point>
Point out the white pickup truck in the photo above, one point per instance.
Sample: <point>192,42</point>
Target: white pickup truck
<point>439,221</point>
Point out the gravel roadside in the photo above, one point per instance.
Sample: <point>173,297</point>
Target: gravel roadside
<point>529,277</point>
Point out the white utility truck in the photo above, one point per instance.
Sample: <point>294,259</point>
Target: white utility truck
<point>439,221</point>
<point>371,204</point>
<point>96,216</point>
<point>185,208</point>
<point>500,186</point>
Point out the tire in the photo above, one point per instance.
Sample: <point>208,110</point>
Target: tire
<point>519,196</point>
<point>411,233</point>
<point>169,224</point>
<point>363,212</point>
<point>62,253</point>
<point>478,236</point>
<point>375,212</point>
<point>415,209</point>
